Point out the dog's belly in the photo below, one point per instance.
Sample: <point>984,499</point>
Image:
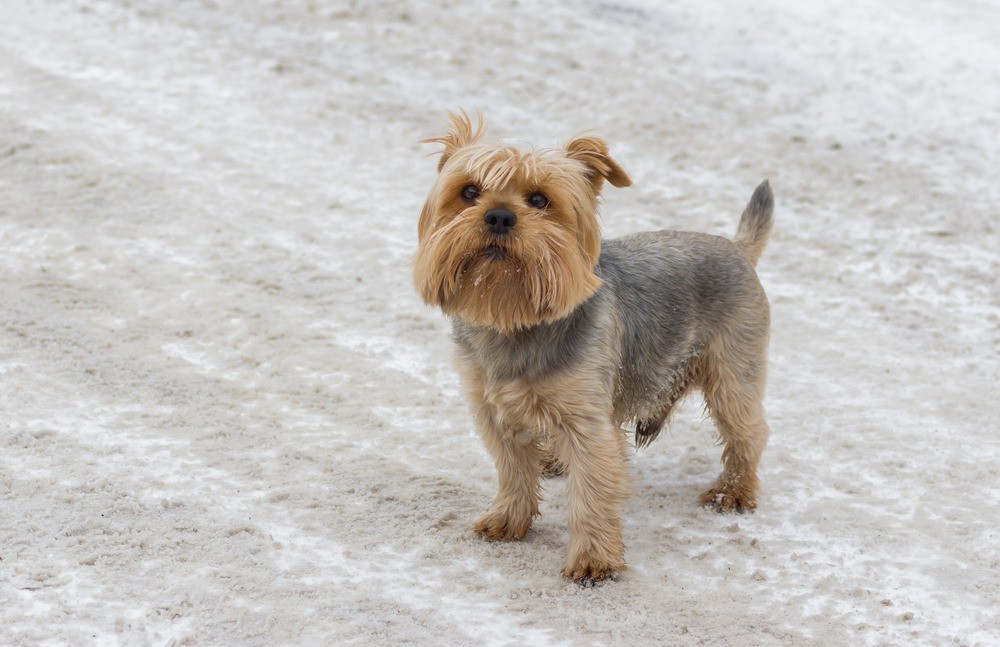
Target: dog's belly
<point>652,388</point>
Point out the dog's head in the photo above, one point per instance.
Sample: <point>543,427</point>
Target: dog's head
<point>509,237</point>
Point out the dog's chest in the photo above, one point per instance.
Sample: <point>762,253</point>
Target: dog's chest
<point>526,409</point>
<point>540,380</point>
<point>522,407</point>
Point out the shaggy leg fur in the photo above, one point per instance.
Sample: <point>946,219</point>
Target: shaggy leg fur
<point>597,486</point>
<point>734,400</point>
<point>519,464</point>
<point>516,503</point>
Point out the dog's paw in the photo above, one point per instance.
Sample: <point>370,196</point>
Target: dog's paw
<point>552,468</point>
<point>587,569</point>
<point>494,526</point>
<point>729,498</point>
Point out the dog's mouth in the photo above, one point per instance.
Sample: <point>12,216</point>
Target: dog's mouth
<point>495,253</point>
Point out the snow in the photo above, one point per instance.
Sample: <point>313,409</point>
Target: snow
<point>227,418</point>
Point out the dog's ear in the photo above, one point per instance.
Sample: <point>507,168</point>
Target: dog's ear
<point>462,133</point>
<point>593,151</point>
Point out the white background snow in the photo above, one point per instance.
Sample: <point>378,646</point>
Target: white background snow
<point>226,417</point>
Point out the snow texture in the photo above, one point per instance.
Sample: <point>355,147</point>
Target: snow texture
<point>227,418</point>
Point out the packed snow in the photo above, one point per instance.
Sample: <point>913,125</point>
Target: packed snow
<point>226,417</point>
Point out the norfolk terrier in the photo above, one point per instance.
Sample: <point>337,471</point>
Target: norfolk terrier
<point>563,338</point>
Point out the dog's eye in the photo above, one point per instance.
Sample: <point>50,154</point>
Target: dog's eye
<point>470,192</point>
<point>538,201</point>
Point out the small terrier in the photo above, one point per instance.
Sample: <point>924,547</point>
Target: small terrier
<point>562,338</point>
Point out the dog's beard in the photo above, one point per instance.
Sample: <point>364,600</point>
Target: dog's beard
<point>506,284</point>
<point>495,253</point>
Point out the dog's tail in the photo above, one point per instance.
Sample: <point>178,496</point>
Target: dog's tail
<point>755,223</point>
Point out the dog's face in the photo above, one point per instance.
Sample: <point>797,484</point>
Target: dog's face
<point>509,238</point>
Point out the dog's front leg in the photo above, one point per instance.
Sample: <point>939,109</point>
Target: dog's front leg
<point>597,486</point>
<point>519,467</point>
<point>518,459</point>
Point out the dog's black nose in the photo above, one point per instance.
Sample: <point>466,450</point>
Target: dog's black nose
<point>500,221</point>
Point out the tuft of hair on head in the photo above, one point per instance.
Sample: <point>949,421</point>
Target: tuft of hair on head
<point>593,152</point>
<point>461,133</point>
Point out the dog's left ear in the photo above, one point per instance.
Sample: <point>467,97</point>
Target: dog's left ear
<point>462,133</point>
<point>593,151</point>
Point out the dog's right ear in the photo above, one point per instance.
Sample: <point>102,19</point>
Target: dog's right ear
<point>462,133</point>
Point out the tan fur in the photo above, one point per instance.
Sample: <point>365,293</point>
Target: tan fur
<point>553,252</point>
<point>732,382</point>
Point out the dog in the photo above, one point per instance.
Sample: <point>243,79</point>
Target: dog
<point>562,339</point>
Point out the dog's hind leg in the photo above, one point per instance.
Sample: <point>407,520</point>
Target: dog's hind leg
<point>734,389</point>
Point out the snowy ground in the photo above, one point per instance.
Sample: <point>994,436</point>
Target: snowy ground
<point>226,418</point>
